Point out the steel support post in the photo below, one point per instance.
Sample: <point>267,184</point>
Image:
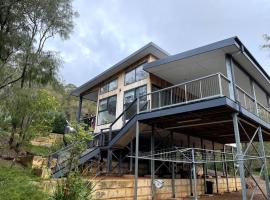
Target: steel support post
<point>194,176</point>
<point>131,159</point>
<point>215,165</point>
<point>153,190</point>
<point>173,168</point>
<point>190,168</point>
<point>234,170</point>
<point>230,75</point>
<point>239,157</point>
<point>109,160</point>
<point>266,176</point>
<point>173,180</point>
<point>136,160</point>
<point>79,109</point>
<point>120,164</point>
<point>226,167</point>
<point>204,170</point>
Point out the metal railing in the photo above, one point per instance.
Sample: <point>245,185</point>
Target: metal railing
<point>207,87</point>
<point>250,104</point>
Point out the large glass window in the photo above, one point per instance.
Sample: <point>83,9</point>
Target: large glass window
<point>140,73</point>
<point>110,86</point>
<point>107,110</point>
<point>129,97</point>
<point>136,74</point>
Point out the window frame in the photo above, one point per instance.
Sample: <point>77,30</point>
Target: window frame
<point>107,108</point>
<point>135,73</point>
<point>107,84</point>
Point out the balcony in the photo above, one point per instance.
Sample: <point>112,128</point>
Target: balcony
<point>201,89</point>
<point>208,87</point>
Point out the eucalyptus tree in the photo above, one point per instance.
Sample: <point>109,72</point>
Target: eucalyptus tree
<point>25,26</point>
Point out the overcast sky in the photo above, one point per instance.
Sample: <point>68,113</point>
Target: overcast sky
<point>108,31</point>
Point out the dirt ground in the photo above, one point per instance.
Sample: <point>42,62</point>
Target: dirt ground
<point>233,196</point>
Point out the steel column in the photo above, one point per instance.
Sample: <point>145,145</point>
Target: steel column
<point>190,178</point>
<point>239,157</point>
<point>234,171</point>
<point>173,180</point>
<point>226,167</point>
<point>79,109</point>
<point>215,166</point>
<point>131,159</point>
<point>173,170</point>
<point>230,75</point>
<point>266,176</point>
<point>109,160</point>
<point>194,176</point>
<point>153,190</point>
<point>204,171</point>
<point>136,160</point>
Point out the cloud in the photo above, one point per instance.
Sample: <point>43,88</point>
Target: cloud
<point>108,31</point>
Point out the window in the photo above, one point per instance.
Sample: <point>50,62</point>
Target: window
<point>140,73</point>
<point>136,74</point>
<point>110,86</point>
<point>129,97</point>
<point>107,110</point>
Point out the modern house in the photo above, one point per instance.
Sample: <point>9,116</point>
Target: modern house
<point>169,115</point>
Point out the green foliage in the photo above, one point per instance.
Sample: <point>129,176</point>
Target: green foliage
<point>37,150</point>
<point>74,187</point>
<point>79,140</point>
<point>59,123</point>
<point>18,184</point>
<point>25,28</point>
<point>30,113</point>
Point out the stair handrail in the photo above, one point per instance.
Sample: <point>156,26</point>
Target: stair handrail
<point>125,110</point>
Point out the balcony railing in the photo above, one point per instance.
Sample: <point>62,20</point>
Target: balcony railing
<point>249,103</point>
<point>207,87</point>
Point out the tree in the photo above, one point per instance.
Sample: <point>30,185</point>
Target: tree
<point>25,26</point>
<point>30,112</point>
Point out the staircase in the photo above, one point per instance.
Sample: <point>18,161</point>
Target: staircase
<point>58,161</point>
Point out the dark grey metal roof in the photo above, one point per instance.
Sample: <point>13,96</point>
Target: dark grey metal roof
<point>207,48</point>
<point>150,48</point>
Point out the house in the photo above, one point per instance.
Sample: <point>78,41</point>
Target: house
<point>157,112</point>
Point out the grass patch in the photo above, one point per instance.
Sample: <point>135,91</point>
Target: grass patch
<point>38,150</point>
<point>16,183</point>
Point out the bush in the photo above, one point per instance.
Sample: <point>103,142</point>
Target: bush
<point>59,123</point>
<point>74,187</point>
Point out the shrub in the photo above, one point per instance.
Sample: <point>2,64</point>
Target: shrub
<point>59,123</point>
<point>74,187</point>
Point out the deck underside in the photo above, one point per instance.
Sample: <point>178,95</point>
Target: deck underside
<point>209,120</point>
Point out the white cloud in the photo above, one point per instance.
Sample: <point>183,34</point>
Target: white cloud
<point>108,31</point>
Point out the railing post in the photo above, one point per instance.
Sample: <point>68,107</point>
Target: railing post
<point>186,93</point>
<point>220,85</point>
<point>255,98</point>
<point>159,99</point>
<point>171,95</point>
<point>138,104</point>
<point>110,134</point>
<point>201,96</point>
